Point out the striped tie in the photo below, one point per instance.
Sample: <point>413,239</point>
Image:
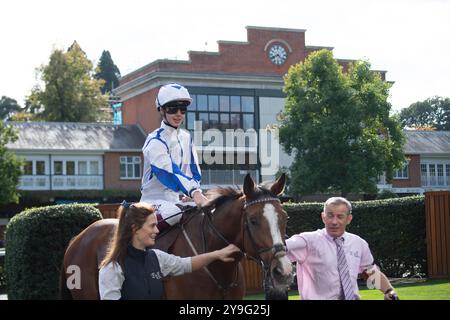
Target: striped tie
<point>344,275</point>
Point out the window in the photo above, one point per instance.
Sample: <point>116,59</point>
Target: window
<point>58,168</point>
<point>40,168</point>
<point>435,174</point>
<point>130,167</point>
<point>402,173</point>
<point>28,168</point>
<point>221,112</point>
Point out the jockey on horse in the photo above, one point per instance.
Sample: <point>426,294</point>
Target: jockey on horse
<point>170,160</point>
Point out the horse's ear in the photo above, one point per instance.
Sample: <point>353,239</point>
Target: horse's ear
<point>249,186</point>
<point>278,187</point>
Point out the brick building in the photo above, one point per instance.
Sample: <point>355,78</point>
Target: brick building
<point>238,87</point>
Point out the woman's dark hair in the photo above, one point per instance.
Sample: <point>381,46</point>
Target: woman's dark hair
<point>131,219</point>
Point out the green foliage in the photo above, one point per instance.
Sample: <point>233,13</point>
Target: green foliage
<point>108,71</point>
<point>386,194</point>
<point>338,128</point>
<point>8,107</point>
<point>2,275</point>
<point>10,167</point>
<point>394,228</point>
<point>431,113</point>
<point>71,93</point>
<point>36,240</point>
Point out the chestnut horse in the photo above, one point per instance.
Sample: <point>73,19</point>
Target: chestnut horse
<point>254,220</point>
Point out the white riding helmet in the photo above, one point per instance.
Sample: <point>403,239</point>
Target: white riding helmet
<point>173,92</point>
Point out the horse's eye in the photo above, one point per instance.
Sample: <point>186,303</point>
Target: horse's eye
<point>254,221</point>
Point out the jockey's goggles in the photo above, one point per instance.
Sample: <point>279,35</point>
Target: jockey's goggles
<point>171,109</point>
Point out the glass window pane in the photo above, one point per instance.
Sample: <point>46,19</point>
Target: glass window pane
<point>82,167</point>
<point>224,121</point>
<point>94,168</point>
<point>129,170</point>
<point>235,121</point>
<point>235,103</point>
<point>40,168</point>
<point>248,121</point>
<point>137,170</point>
<point>193,105</point>
<point>203,117</point>
<point>214,120</point>
<point>224,103</point>
<point>190,120</point>
<point>122,171</point>
<point>58,167</point>
<point>70,168</point>
<point>28,168</point>
<point>213,103</point>
<point>202,102</point>
<point>247,104</point>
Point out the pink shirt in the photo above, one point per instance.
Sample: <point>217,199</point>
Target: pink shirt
<point>316,256</point>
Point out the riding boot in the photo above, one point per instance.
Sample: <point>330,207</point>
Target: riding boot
<point>162,224</point>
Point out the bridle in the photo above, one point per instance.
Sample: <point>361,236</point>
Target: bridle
<point>278,249</point>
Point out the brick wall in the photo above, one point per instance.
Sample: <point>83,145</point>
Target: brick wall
<point>413,174</point>
<point>112,172</point>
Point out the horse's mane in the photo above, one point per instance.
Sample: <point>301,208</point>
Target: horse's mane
<point>221,195</point>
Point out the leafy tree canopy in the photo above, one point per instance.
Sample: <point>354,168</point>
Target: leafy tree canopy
<point>71,93</point>
<point>108,71</point>
<point>8,107</point>
<point>10,167</point>
<point>432,113</point>
<point>338,127</point>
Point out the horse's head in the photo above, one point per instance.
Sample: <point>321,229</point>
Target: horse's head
<point>265,230</point>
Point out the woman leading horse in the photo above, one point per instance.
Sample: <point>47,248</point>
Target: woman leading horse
<point>253,220</point>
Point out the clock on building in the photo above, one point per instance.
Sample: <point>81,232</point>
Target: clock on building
<point>277,54</point>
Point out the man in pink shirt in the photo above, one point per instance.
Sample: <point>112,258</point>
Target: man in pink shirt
<point>329,260</point>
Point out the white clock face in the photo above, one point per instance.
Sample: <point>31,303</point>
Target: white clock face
<point>277,54</point>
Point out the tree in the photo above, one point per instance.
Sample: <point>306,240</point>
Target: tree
<point>8,107</point>
<point>10,167</point>
<point>71,93</point>
<point>108,71</point>
<point>337,126</point>
<point>431,113</point>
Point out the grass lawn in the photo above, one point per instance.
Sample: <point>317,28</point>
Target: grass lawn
<point>423,290</point>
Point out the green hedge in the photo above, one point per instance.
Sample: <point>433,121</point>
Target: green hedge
<point>35,243</point>
<point>394,228</point>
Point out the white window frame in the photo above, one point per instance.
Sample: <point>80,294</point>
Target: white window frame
<point>400,174</point>
<point>123,160</point>
<point>433,180</point>
<point>76,181</point>
<point>34,181</point>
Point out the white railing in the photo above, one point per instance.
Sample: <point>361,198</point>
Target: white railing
<point>34,183</point>
<point>90,182</point>
<point>233,177</point>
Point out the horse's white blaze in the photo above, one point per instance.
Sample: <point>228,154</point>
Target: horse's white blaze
<point>272,218</point>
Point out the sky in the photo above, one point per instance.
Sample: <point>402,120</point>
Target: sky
<point>407,38</point>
